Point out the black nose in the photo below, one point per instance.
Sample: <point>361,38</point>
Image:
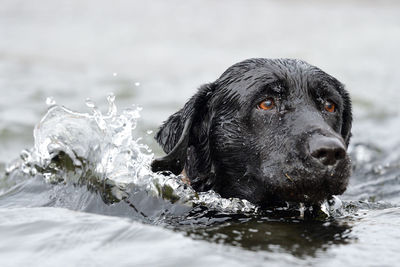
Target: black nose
<point>327,150</point>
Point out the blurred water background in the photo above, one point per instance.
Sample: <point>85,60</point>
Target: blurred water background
<point>155,54</point>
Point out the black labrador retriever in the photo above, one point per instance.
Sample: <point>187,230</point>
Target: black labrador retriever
<point>268,130</point>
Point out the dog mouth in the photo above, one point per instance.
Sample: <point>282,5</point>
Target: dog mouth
<point>307,185</point>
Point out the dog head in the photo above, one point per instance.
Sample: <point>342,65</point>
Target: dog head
<point>268,131</point>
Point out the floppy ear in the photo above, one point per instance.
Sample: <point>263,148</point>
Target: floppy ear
<point>347,118</point>
<point>177,133</point>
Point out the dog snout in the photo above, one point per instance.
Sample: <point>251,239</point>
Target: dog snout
<point>327,150</point>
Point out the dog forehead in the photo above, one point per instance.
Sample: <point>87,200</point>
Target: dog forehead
<point>246,78</point>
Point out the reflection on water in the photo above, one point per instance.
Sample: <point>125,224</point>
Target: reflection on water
<point>299,238</point>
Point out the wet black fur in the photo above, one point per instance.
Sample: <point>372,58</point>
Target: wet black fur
<point>225,143</point>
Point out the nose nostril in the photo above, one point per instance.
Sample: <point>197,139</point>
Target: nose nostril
<point>339,154</point>
<point>319,154</point>
<point>328,156</point>
<point>325,156</point>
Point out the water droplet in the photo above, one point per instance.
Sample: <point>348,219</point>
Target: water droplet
<point>50,101</point>
<point>90,103</point>
<point>137,83</point>
<point>112,108</point>
<point>301,210</point>
<point>25,155</point>
<point>149,132</point>
<point>111,97</point>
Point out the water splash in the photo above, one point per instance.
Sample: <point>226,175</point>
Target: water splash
<point>102,152</point>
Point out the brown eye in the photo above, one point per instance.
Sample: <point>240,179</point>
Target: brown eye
<point>329,106</point>
<point>267,104</point>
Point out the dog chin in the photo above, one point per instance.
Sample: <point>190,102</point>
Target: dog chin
<point>294,198</point>
<point>312,191</point>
